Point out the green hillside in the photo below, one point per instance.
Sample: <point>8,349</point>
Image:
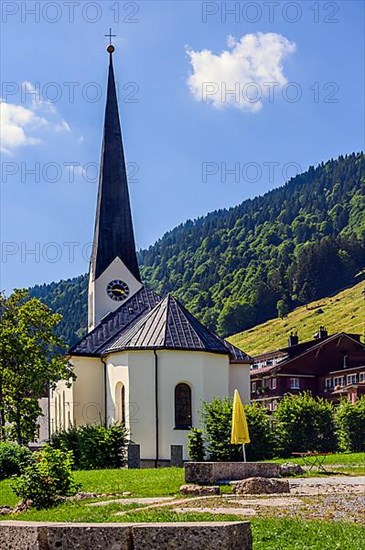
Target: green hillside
<point>344,311</point>
<point>237,268</point>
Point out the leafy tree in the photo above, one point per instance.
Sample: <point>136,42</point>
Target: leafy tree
<point>350,422</point>
<point>283,308</point>
<point>217,420</point>
<point>304,423</point>
<point>235,316</point>
<point>30,360</point>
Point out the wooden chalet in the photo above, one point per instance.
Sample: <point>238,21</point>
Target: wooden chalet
<point>328,366</point>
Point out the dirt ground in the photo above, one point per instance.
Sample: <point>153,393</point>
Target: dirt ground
<point>331,499</point>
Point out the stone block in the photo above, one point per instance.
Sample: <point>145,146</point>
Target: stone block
<point>260,486</point>
<point>195,536</point>
<point>18,535</point>
<point>133,456</point>
<point>209,473</point>
<point>177,456</point>
<point>290,469</point>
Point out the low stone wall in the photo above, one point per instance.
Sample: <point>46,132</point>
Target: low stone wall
<point>209,473</point>
<point>17,535</point>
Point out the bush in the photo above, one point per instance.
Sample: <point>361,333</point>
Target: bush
<point>350,425</point>
<point>196,448</point>
<point>46,478</point>
<point>12,458</point>
<point>261,434</point>
<point>217,419</point>
<point>94,447</point>
<point>304,423</point>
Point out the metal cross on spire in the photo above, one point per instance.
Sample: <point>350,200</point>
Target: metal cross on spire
<point>110,36</point>
<point>110,48</point>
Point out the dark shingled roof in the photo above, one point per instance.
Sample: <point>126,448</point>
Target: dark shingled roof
<point>147,322</point>
<point>115,322</point>
<point>113,236</point>
<point>170,326</point>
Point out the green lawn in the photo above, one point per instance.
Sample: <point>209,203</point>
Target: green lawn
<point>141,483</point>
<point>268,533</point>
<point>342,463</point>
<point>291,534</point>
<point>167,481</point>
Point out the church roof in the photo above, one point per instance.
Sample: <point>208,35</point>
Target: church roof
<point>170,326</point>
<point>116,322</point>
<point>144,321</point>
<point>113,234</point>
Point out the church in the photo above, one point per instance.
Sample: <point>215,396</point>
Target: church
<point>145,361</point>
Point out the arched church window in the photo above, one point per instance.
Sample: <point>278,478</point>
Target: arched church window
<point>120,403</point>
<point>183,415</point>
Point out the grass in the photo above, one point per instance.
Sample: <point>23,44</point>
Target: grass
<point>167,481</point>
<point>342,312</point>
<point>292,534</point>
<point>141,483</point>
<point>268,533</point>
<point>342,463</point>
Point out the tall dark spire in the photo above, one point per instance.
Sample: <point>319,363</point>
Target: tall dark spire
<point>113,226</point>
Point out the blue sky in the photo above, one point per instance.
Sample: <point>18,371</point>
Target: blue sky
<point>297,72</point>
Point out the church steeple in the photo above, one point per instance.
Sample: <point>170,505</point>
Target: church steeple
<point>113,236</point>
<point>113,226</point>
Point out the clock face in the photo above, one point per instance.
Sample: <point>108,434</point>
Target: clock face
<point>118,290</point>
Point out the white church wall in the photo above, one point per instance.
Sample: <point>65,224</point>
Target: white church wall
<point>61,407</point>
<point>207,374</point>
<point>99,302</point>
<point>176,367</point>
<point>88,391</point>
<point>117,374</point>
<point>239,378</point>
<point>216,376</point>
<point>136,371</point>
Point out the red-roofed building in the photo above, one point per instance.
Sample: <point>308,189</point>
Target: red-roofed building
<point>328,366</point>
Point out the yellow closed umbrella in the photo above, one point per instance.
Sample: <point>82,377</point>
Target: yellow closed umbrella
<point>239,433</point>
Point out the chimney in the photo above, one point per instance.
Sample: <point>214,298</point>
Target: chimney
<point>293,339</point>
<point>321,334</point>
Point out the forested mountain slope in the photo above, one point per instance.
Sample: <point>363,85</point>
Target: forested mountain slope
<point>237,268</point>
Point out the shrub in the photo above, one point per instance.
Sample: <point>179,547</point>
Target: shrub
<point>196,448</point>
<point>261,434</point>
<point>95,446</point>
<point>12,458</point>
<point>217,419</point>
<point>304,423</point>
<point>46,478</point>
<point>350,425</point>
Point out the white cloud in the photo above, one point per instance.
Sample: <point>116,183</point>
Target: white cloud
<point>22,125</point>
<point>17,122</point>
<point>250,69</point>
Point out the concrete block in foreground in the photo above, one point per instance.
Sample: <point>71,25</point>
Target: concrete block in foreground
<point>209,473</point>
<point>18,535</point>
<point>193,536</point>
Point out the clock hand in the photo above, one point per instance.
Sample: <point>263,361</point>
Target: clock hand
<point>120,290</point>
